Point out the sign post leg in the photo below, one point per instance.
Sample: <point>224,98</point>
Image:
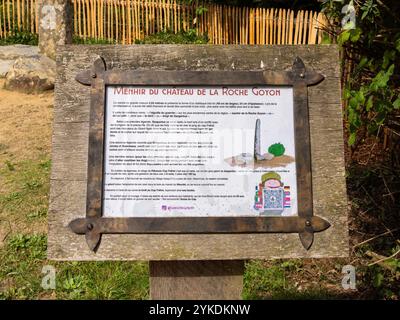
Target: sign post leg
<point>196,280</point>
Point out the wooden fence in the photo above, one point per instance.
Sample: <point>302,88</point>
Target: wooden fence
<point>124,21</point>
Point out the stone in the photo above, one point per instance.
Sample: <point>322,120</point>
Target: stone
<point>31,75</point>
<point>55,25</point>
<point>8,54</point>
<point>5,65</point>
<point>17,50</point>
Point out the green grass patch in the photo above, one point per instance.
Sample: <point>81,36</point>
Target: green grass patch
<point>168,37</point>
<point>20,37</point>
<point>79,40</point>
<point>271,282</point>
<point>24,256</point>
<point>28,185</point>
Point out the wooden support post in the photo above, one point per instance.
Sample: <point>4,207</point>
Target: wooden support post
<point>196,280</point>
<point>55,25</point>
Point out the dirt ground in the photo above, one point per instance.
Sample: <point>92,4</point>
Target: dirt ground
<point>25,139</point>
<point>25,130</point>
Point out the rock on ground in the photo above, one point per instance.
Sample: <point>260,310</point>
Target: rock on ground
<point>31,74</point>
<point>8,54</point>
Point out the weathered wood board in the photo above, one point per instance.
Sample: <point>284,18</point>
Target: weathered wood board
<point>196,280</point>
<point>70,146</point>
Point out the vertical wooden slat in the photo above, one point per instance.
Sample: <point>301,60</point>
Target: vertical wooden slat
<point>213,23</point>
<point>142,22</point>
<point>291,26</point>
<point>129,18</point>
<point>18,15</point>
<point>237,26</point>
<point>134,23</point>
<point>112,19</point>
<point>5,19</point>
<point>163,14</point>
<point>305,27</point>
<point>301,21</point>
<point>84,19</point>
<point>279,26</point>
<point>242,25</point>
<point>227,22</point>
<point>102,19</point>
<point>263,28</point>
<point>175,17</point>
<point>93,11</point>
<point>190,16</point>
<point>32,15</point>
<point>88,19</point>
<point>23,15</point>
<point>296,31</point>
<point>8,15</point>
<point>183,8</point>
<point>246,28</point>
<point>108,19</point>
<point>311,37</point>
<point>1,22</point>
<point>251,26</point>
<point>79,18</point>
<point>271,26</point>
<point>137,14</point>
<point>151,16</point>
<point>75,16</point>
<point>320,24</point>
<point>122,6</point>
<point>283,36</point>
<point>220,25</point>
<point>146,21</point>
<point>287,26</point>
<point>217,25</point>
<point>167,11</point>
<point>116,21</point>
<point>217,15</point>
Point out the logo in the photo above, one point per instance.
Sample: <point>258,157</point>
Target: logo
<point>170,208</point>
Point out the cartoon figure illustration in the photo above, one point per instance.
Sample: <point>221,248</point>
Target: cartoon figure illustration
<point>271,196</point>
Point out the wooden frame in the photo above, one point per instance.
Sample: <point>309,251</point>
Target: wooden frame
<point>94,225</point>
<point>68,180</point>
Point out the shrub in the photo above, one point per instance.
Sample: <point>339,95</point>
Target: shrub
<point>277,149</point>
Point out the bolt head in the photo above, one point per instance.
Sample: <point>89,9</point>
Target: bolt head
<point>308,223</point>
<point>90,226</point>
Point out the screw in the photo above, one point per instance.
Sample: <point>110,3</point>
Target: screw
<point>90,226</point>
<point>308,223</point>
<point>94,75</point>
<point>302,75</point>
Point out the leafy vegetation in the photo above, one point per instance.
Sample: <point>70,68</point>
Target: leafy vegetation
<point>371,46</point>
<point>78,40</point>
<point>277,149</point>
<point>169,37</point>
<point>369,35</point>
<point>20,37</point>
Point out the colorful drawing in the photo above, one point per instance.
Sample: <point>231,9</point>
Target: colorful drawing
<point>273,157</point>
<point>271,196</point>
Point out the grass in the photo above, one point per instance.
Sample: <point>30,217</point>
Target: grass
<point>168,37</point>
<point>24,193</point>
<point>164,37</point>
<point>20,37</point>
<point>23,253</point>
